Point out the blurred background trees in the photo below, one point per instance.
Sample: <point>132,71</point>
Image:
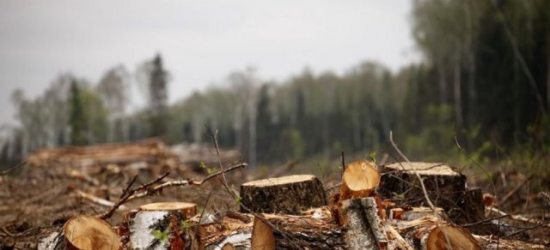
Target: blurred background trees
<point>484,78</point>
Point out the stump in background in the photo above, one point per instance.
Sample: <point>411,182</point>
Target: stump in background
<point>160,226</point>
<point>286,195</point>
<point>85,232</point>
<point>360,180</point>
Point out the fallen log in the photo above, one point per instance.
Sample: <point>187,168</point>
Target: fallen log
<point>160,226</point>
<point>359,180</point>
<point>288,195</point>
<point>292,232</point>
<point>85,232</point>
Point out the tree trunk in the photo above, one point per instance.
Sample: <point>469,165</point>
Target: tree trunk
<point>286,195</point>
<point>458,94</point>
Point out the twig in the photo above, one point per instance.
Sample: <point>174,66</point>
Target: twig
<point>515,190</point>
<point>5,172</point>
<point>522,230</point>
<point>133,194</point>
<point>545,195</point>
<point>415,172</point>
<point>421,184</point>
<point>485,221</point>
<point>519,217</point>
<point>127,194</point>
<point>95,199</point>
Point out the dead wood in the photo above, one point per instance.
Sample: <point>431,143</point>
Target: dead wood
<point>287,195</point>
<point>89,233</point>
<point>359,180</point>
<point>262,236</point>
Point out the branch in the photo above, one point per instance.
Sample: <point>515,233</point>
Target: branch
<point>133,193</point>
<point>23,163</point>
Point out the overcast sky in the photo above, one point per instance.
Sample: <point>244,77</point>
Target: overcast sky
<point>201,41</point>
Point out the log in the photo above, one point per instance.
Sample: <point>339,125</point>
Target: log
<point>364,228</point>
<point>86,232</point>
<point>360,180</point>
<point>431,233</point>
<point>292,232</point>
<point>160,226</point>
<point>287,195</point>
<point>446,188</point>
<point>262,236</point>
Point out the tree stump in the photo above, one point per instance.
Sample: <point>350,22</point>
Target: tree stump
<point>161,226</point>
<point>360,180</point>
<point>286,195</point>
<point>400,184</point>
<point>85,232</point>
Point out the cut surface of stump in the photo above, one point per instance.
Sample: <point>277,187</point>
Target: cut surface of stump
<point>85,232</point>
<point>160,226</point>
<point>446,188</point>
<point>262,236</point>
<point>360,180</point>
<point>287,195</point>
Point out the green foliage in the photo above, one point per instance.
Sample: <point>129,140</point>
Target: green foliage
<point>162,236</point>
<point>208,170</point>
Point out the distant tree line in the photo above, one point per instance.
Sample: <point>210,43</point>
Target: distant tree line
<point>484,80</point>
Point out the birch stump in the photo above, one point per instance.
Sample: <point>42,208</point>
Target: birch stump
<point>85,232</point>
<point>161,226</point>
<point>360,180</point>
<point>286,195</point>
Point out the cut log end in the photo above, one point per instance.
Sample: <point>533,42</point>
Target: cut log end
<point>89,233</point>
<point>359,180</point>
<point>286,195</point>
<point>449,237</point>
<point>262,236</point>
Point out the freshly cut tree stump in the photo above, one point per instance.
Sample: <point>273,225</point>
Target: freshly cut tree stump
<point>400,184</point>
<point>364,228</point>
<point>360,180</point>
<point>161,226</point>
<point>286,195</point>
<point>262,236</point>
<point>85,232</point>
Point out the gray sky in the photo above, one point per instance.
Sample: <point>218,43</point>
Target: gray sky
<point>201,41</point>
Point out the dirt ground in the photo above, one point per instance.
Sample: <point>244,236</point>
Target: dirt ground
<point>44,196</point>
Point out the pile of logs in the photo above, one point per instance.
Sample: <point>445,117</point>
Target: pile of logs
<point>398,206</point>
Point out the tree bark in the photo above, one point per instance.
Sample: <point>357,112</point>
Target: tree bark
<point>160,226</point>
<point>286,195</point>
